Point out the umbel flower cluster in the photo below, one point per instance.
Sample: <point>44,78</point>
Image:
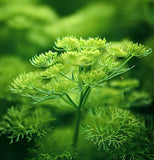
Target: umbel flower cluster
<point>76,66</point>
<point>76,73</point>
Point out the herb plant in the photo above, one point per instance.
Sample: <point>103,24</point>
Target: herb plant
<point>72,75</point>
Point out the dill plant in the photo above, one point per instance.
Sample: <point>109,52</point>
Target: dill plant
<point>25,122</point>
<point>72,73</point>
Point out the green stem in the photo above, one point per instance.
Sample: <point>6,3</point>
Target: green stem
<point>70,100</point>
<point>76,131</point>
<point>83,99</point>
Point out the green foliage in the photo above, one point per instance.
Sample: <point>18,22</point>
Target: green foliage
<point>80,63</point>
<point>147,67</point>
<point>34,25</point>
<point>125,84</point>
<point>110,127</point>
<point>92,15</point>
<point>17,1</point>
<point>77,75</point>
<point>19,14</point>
<point>25,22</point>
<point>139,148</point>
<point>118,93</point>
<point>54,146</point>
<point>76,78</point>
<point>143,10</point>
<point>131,95</point>
<point>139,99</point>
<point>119,133</point>
<point>10,67</point>
<point>25,121</point>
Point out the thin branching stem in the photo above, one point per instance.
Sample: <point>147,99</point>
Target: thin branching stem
<point>83,96</point>
<point>70,100</point>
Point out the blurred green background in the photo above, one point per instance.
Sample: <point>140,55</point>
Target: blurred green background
<point>30,27</point>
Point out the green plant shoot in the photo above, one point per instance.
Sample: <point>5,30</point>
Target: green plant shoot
<point>76,67</point>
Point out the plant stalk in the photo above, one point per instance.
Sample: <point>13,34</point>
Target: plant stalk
<point>76,131</point>
<point>83,98</point>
